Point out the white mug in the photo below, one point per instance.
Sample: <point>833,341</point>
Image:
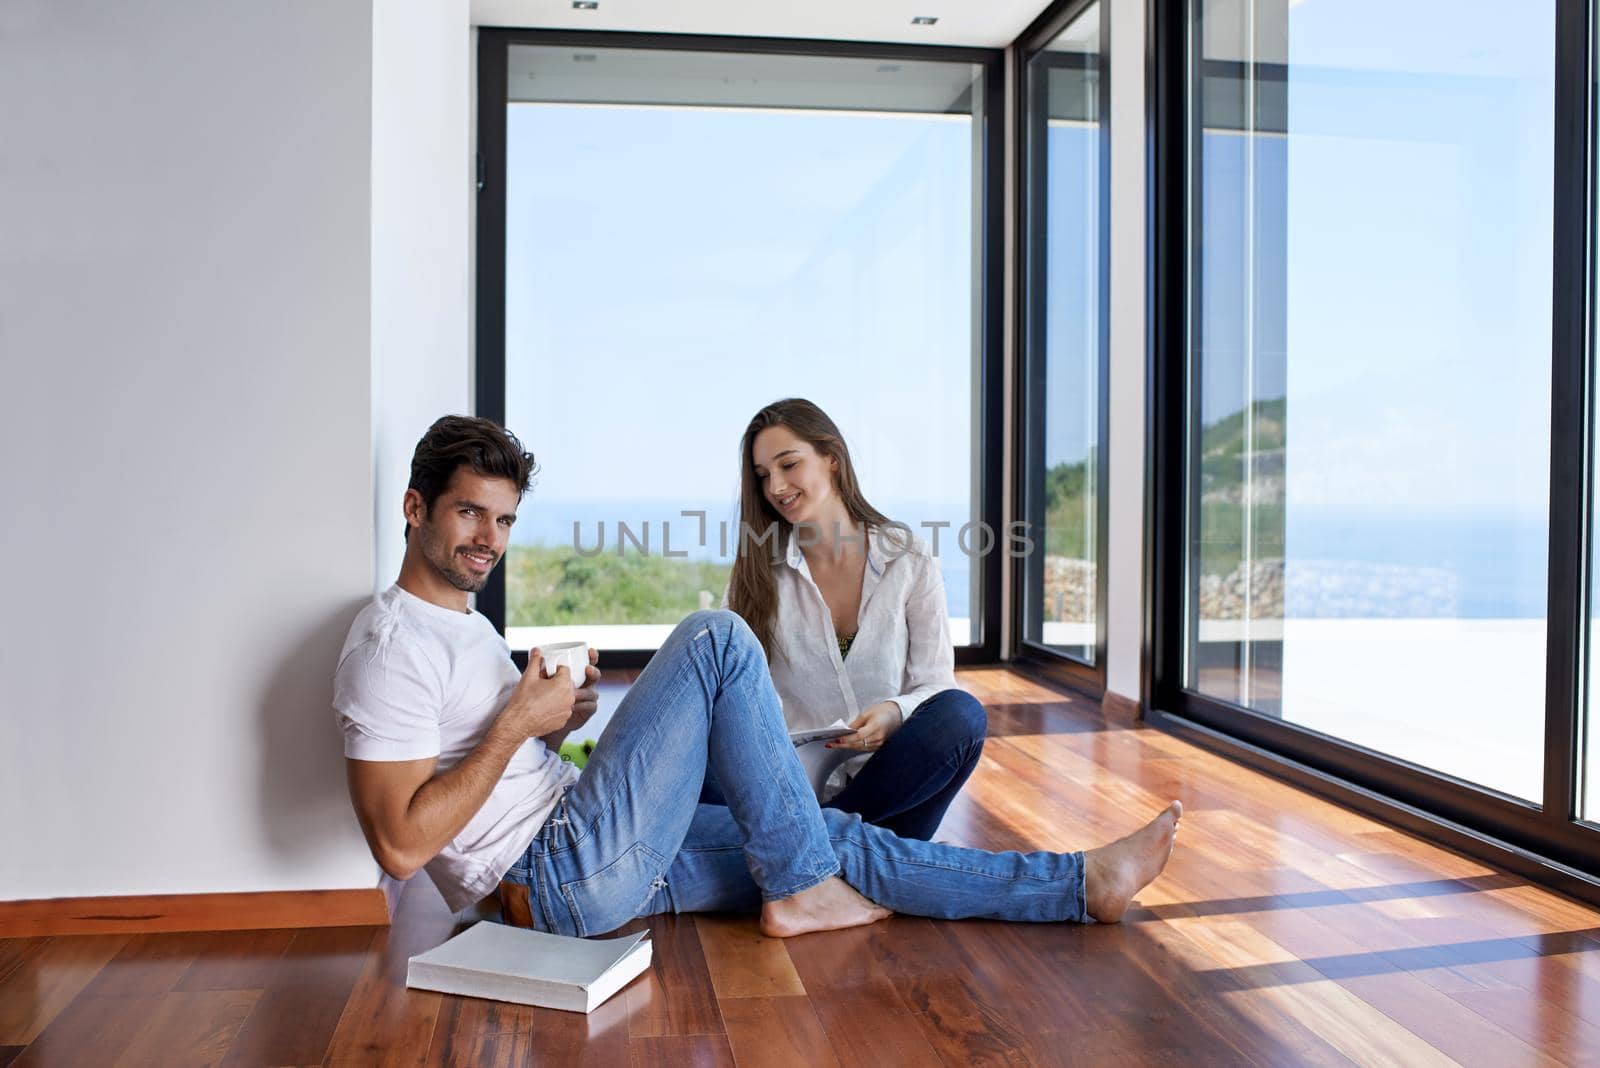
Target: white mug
<point>575,655</point>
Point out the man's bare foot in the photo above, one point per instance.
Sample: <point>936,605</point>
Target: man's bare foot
<point>830,905</point>
<point>1113,873</point>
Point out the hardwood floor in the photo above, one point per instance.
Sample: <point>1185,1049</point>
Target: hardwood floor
<point>1285,931</point>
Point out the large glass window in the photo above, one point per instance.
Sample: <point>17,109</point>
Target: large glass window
<point>1369,377</point>
<point>1065,336</point>
<point>691,235</point>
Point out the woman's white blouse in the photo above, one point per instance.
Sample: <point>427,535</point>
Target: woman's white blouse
<point>901,653</point>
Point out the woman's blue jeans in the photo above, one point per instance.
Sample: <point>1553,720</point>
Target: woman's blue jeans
<point>909,783</point>
<point>631,839</point>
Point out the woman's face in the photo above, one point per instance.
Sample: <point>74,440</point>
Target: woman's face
<point>796,480</point>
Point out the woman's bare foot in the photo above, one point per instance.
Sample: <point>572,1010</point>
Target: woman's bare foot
<point>1113,873</point>
<point>830,905</point>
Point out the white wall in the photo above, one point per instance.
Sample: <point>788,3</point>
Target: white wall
<point>422,189</point>
<point>1125,540</point>
<point>186,423</point>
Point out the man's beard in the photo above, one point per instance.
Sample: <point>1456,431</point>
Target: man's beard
<point>446,562</point>
<point>465,581</point>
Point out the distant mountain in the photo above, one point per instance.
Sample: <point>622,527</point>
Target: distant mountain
<point>1222,455</point>
<point>1067,481</point>
<point>1222,452</point>
<point>1068,490</point>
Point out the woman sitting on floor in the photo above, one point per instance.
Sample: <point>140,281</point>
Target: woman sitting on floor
<point>851,612</point>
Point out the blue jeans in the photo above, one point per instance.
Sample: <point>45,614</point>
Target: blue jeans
<point>630,838</point>
<point>906,786</point>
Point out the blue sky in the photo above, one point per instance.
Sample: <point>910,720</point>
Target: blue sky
<point>1408,267</point>
<point>670,271</point>
<point>1402,261</point>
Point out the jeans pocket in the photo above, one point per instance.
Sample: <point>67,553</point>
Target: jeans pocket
<point>617,892</point>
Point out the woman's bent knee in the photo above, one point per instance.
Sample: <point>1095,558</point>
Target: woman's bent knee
<point>962,713</point>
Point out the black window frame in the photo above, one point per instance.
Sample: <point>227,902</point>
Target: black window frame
<point>1029,416</point>
<point>1546,842</point>
<point>494,44</point>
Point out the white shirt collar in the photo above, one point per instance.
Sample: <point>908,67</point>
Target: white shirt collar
<point>875,554</point>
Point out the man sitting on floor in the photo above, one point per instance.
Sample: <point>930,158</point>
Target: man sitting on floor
<point>451,753</point>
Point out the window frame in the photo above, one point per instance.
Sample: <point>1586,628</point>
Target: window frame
<point>1546,841</point>
<point>1031,116</point>
<point>494,44</point>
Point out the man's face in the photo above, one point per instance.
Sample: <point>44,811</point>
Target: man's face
<point>466,532</point>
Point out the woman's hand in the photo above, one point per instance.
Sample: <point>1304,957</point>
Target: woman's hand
<point>873,728</point>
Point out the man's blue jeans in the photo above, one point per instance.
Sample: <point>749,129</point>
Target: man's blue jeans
<point>908,784</point>
<point>631,839</point>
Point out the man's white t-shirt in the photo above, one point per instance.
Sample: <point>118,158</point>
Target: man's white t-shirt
<point>416,680</point>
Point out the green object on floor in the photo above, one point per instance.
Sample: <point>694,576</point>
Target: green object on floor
<point>577,752</point>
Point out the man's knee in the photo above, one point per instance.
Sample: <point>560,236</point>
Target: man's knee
<point>719,622</point>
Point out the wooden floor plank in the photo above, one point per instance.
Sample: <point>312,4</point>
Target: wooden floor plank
<point>675,996</point>
<point>846,963</point>
<point>1126,1043</point>
<point>466,1033</point>
<point>1474,942</point>
<point>464,1017</point>
<point>907,963</point>
<point>743,962</point>
<point>1007,978</point>
<point>13,951</point>
<point>512,1049</point>
<point>88,1031</point>
<point>1343,1020</point>
<point>856,1000</point>
<point>774,1032</point>
<point>681,1051</point>
<point>1557,1033</point>
<point>1346,938</point>
<point>874,1031</point>
<point>1249,1017</point>
<point>383,1022</point>
<point>45,982</point>
<point>189,1030</point>
<point>961,1027</point>
<point>147,964</point>
<point>1351,950</point>
<point>294,1019</point>
<point>237,960</point>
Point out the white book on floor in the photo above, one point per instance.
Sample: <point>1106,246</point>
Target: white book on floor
<point>492,960</point>
<point>817,759</point>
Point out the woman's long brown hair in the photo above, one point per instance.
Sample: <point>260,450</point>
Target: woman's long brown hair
<point>753,589</point>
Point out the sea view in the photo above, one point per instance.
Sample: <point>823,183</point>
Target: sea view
<point>550,523</point>
<point>1336,565</point>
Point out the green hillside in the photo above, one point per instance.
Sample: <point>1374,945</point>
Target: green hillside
<point>1068,492</point>
<point>548,586</point>
<point>1068,506</point>
<point>1222,479</point>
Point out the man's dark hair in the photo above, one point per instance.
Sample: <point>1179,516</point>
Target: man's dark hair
<point>483,445</point>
